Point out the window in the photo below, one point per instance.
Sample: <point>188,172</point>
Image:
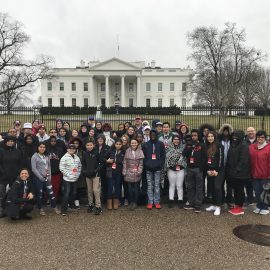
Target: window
<point>62,102</point>
<point>160,102</point>
<point>103,102</point>
<point>184,102</point>
<point>49,102</point>
<point>49,86</point>
<point>73,86</point>
<point>130,102</point>
<point>159,86</point>
<point>62,86</point>
<point>147,102</point>
<point>102,87</point>
<point>85,102</point>
<point>172,102</point>
<point>171,86</point>
<point>73,102</point>
<point>184,87</point>
<point>85,86</point>
<point>130,87</point>
<point>148,86</point>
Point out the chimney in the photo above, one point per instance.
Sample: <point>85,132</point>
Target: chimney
<point>82,64</point>
<point>153,64</point>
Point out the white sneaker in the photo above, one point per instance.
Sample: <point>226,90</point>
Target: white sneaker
<point>211,208</point>
<point>257,211</point>
<point>217,211</point>
<point>264,212</point>
<point>77,203</point>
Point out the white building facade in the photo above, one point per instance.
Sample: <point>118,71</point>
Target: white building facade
<point>117,83</point>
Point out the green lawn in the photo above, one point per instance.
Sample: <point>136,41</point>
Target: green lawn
<point>193,121</point>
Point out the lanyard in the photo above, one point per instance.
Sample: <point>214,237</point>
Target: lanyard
<point>154,148</point>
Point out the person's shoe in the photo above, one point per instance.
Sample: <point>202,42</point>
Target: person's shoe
<point>98,211</point>
<point>257,211</point>
<point>26,217</point>
<point>188,207</point>
<point>264,212</point>
<point>237,210</point>
<point>15,218</point>
<point>180,204</point>
<point>158,206</point>
<point>126,202</point>
<point>57,211</point>
<point>149,206</point>
<point>90,208</point>
<point>131,206</point>
<point>77,204</point>
<point>217,211</point>
<point>42,212</point>
<point>63,214</point>
<point>211,208</point>
<point>109,204</point>
<point>170,204</point>
<point>115,204</point>
<point>197,210</point>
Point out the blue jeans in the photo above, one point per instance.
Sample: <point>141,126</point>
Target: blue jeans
<point>115,182</point>
<point>40,186</point>
<point>69,195</point>
<point>133,191</point>
<point>153,187</point>
<point>258,188</point>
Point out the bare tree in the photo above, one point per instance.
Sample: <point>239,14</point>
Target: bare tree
<point>16,73</point>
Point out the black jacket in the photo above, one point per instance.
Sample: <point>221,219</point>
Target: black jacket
<point>91,163</point>
<point>55,154</point>
<point>216,161</point>
<point>10,164</point>
<point>154,147</point>
<point>197,153</point>
<point>118,159</point>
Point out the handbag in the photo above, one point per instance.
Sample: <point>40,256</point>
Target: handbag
<point>265,195</point>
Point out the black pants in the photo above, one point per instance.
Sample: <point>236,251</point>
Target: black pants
<point>14,210</point>
<point>2,198</point>
<point>195,186</point>
<point>104,185</point>
<point>239,192</point>
<point>249,191</point>
<point>133,191</point>
<point>216,184</point>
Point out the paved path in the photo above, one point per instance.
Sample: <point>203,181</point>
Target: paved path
<point>165,239</point>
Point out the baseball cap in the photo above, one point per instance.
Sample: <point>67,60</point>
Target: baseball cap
<point>27,125</point>
<point>147,127</point>
<point>91,118</point>
<point>159,124</point>
<point>17,123</point>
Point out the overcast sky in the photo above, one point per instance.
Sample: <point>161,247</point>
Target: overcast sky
<point>71,30</point>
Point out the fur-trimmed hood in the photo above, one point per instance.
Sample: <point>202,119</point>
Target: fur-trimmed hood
<point>224,126</point>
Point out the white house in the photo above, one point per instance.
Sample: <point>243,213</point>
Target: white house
<point>117,82</point>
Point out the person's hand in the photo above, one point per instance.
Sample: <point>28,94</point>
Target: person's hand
<point>30,196</point>
<point>109,160</point>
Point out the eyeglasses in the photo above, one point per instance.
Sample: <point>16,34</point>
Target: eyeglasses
<point>260,137</point>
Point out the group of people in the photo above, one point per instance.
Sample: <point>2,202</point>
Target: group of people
<point>136,163</point>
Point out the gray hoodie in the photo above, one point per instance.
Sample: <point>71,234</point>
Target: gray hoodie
<point>41,167</point>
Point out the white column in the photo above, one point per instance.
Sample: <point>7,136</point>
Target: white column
<point>138,91</point>
<point>92,94</point>
<point>107,94</point>
<point>123,91</point>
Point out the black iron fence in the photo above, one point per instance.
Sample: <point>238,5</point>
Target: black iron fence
<point>238,117</point>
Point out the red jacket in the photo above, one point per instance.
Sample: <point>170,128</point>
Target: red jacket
<point>260,161</point>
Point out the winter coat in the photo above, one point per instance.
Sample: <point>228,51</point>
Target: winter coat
<point>117,159</point>
<point>90,163</point>
<point>166,139</point>
<point>10,164</point>
<point>221,130</point>
<point>238,159</point>
<point>260,161</point>
<point>202,127</point>
<point>27,151</point>
<point>216,161</point>
<point>70,167</point>
<point>41,167</point>
<point>174,157</point>
<point>154,147</point>
<point>133,166</point>
<point>55,154</point>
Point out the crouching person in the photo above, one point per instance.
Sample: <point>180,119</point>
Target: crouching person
<point>70,166</point>
<point>20,198</point>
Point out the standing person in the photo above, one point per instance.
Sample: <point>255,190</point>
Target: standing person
<point>91,122</point>
<point>138,124</point>
<point>107,132</point>
<point>18,127</point>
<point>132,171</point>
<point>158,127</point>
<point>59,124</point>
<point>183,131</point>
<point>35,125</point>
<point>146,133</point>
<point>98,128</point>
<point>238,169</point>
<point>114,160</point>
<point>224,136</point>
<point>195,153</point>
<point>70,166</point>
<point>20,197</point>
<point>177,126</point>
<point>41,133</point>
<point>41,168</point>
<point>260,169</point>
<point>121,130</point>
<point>175,165</point>
<point>28,149</point>
<point>166,135</point>
<point>154,152</point>
<point>131,132</point>
<point>127,125</point>
<point>55,153</point>
<point>91,136</point>
<point>204,129</point>
<point>90,169</point>
<point>63,136</point>
<point>215,171</point>
<point>83,132</point>
<point>10,164</point>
